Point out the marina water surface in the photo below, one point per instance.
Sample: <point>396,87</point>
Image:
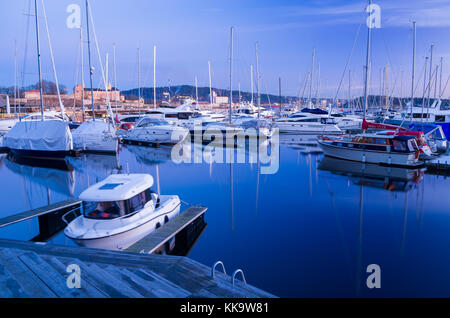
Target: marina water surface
<point>311,229</point>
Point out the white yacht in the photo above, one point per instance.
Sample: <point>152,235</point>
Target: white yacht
<point>120,211</point>
<point>154,130</point>
<point>306,123</point>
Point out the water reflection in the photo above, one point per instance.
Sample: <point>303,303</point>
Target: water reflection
<point>304,143</point>
<point>372,175</point>
<point>56,180</point>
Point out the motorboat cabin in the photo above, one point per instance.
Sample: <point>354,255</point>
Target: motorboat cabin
<point>373,148</point>
<point>119,211</point>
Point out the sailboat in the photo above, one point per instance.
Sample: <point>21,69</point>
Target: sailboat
<point>395,149</point>
<point>40,139</point>
<point>97,135</point>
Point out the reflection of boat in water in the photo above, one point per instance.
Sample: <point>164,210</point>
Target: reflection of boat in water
<point>120,211</point>
<point>63,165</point>
<point>304,143</point>
<point>54,179</point>
<point>95,164</point>
<point>150,155</point>
<point>373,175</point>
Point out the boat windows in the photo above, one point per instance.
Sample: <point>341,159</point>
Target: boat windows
<point>104,210</point>
<point>148,122</point>
<point>328,121</point>
<point>440,118</point>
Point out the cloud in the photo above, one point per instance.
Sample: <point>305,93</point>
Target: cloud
<point>399,13</point>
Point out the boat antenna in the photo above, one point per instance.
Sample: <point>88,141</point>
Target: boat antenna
<point>91,70</point>
<point>38,48</point>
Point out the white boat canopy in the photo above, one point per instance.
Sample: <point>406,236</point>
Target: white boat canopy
<point>48,135</point>
<point>117,187</point>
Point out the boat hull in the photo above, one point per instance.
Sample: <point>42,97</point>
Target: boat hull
<point>40,154</point>
<point>124,239</point>
<point>370,156</point>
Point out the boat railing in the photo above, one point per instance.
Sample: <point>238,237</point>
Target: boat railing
<point>70,212</point>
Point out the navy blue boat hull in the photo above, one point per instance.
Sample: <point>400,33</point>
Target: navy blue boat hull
<point>40,154</point>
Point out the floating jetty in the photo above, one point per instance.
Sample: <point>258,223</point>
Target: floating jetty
<point>440,165</point>
<point>38,269</point>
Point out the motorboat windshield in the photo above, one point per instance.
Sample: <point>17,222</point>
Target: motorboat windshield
<point>148,122</point>
<point>105,210</point>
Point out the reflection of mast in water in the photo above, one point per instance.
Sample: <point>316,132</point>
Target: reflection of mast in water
<point>405,214</point>
<point>258,167</point>
<point>421,203</point>
<point>359,257</point>
<point>158,189</point>
<point>232,196</point>
<point>310,174</point>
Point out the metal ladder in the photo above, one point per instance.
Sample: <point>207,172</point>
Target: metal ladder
<point>233,276</point>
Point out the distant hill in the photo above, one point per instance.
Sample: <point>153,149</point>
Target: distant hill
<point>203,94</point>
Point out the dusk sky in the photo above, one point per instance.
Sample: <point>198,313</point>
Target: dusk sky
<point>189,33</point>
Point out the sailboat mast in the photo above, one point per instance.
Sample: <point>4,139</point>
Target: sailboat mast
<point>115,75</point>
<point>82,74</point>
<point>210,86</point>
<point>231,73</point>
<point>38,48</point>
<point>413,69</point>
<point>196,91</point>
<point>429,80</point>
<point>139,80</point>
<point>251,82</point>
<point>440,79</point>
<point>154,76</point>
<point>366,74</point>
<point>15,79</point>
<point>258,95</point>
<point>311,79</point>
<point>90,62</point>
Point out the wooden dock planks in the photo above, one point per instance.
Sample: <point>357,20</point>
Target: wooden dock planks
<point>160,236</point>
<point>37,212</point>
<point>39,270</point>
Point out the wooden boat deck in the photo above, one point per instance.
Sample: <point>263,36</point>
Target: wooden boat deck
<point>40,270</point>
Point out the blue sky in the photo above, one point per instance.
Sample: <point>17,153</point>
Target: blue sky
<point>189,33</point>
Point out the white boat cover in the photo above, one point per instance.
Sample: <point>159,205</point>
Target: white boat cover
<point>95,135</point>
<point>48,135</point>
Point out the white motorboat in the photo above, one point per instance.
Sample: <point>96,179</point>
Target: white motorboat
<point>120,211</point>
<point>348,122</point>
<point>95,136</point>
<point>306,123</point>
<point>372,148</point>
<point>153,130</point>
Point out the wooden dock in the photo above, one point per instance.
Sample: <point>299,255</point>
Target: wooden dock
<point>64,206</point>
<point>41,270</point>
<point>156,239</point>
<point>440,165</point>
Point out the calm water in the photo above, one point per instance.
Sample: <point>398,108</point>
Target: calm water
<point>309,230</point>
